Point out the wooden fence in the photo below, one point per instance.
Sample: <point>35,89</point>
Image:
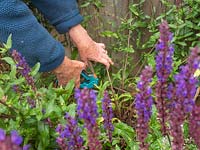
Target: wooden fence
<point>109,18</point>
<point>112,12</point>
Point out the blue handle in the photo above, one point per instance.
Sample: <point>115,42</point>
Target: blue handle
<point>89,81</point>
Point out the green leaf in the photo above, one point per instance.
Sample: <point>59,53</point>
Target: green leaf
<point>43,135</point>
<point>4,77</point>
<point>1,93</point>
<point>50,107</point>
<point>198,34</point>
<point>197,73</point>
<point>71,109</point>
<point>85,5</point>
<point>13,71</point>
<point>35,69</point>
<point>3,50</point>
<point>9,60</point>
<point>117,147</point>
<point>128,134</point>
<point>9,42</point>
<point>181,43</point>
<point>134,9</point>
<point>17,81</point>
<point>109,34</point>
<point>69,88</point>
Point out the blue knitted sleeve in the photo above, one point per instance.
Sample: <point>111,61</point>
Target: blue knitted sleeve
<point>28,36</point>
<point>63,14</point>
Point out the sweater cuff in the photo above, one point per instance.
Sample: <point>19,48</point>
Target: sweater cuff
<point>68,21</point>
<point>50,66</point>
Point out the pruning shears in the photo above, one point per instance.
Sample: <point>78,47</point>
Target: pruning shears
<point>88,80</point>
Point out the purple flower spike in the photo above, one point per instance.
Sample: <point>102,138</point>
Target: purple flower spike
<point>11,142</point>
<point>2,134</point>
<point>69,138</point>
<point>163,70</point>
<point>183,99</point>
<point>26,147</point>
<point>87,110</point>
<point>15,138</point>
<point>23,68</point>
<point>31,102</point>
<point>107,115</point>
<point>194,125</point>
<point>143,106</point>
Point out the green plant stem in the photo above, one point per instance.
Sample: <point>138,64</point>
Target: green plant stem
<point>4,116</point>
<point>108,74</point>
<point>11,108</point>
<point>113,92</point>
<point>126,57</point>
<point>169,140</point>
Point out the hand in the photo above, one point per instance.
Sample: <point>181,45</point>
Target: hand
<point>95,52</point>
<point>89,49</point>
<point>68,70</point>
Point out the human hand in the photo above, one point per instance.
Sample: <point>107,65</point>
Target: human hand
<point>95,52</point>
<point>89,49</point>
<point>68,70</point>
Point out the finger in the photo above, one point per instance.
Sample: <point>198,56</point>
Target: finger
<point>101,50</point>
<point>83,65</point>
<point>105,51</point>
<point>104,61</point>
<point>110,61</point>
<point>108,58</point>
<point>86,64</point>
<point>102,45</point>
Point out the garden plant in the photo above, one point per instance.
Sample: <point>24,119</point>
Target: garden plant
<point>156,109</point>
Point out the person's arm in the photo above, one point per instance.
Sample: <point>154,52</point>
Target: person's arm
<point>62,14</point>
<point>65,16</point>
<point>89,49</point>
<point>28,37</point>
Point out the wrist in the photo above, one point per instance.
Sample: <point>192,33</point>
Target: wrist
<point>80,37</point>
<point>62,66</point>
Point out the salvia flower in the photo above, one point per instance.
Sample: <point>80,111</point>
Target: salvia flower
<point>31,102</point>
<point>183,98</point>
<point>107,115</point>
<point>186,83</point>
<point>2,135</point>
<point>194,125</point>
<point>16,89</point>
<point>164,62</point>
<point>143,105</point>
<point>12,141</point>
<point>87,111</point>
<point>69,136</point>
<point>23,68</point>
<point>16,138</point>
